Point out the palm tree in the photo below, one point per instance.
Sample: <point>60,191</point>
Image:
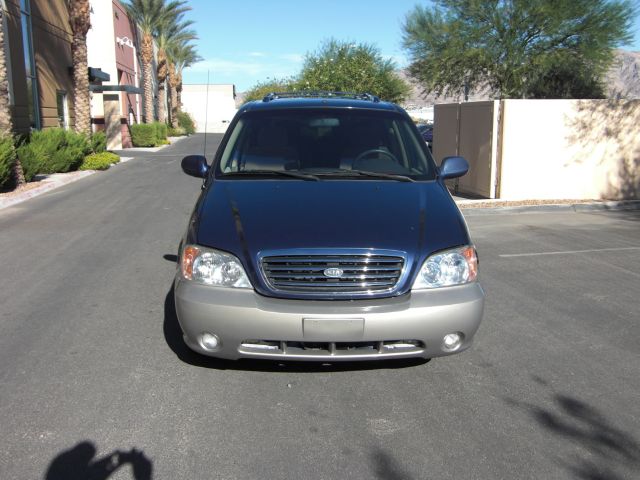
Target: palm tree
<point>80,21</point>
<point>181,56</point>
<point>150,15</point>
<point>171,32</point>
<point>6,124</point>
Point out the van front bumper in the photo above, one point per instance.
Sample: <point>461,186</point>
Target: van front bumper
<point>248,325</point>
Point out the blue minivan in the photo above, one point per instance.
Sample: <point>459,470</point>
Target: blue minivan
<point>325,232</point>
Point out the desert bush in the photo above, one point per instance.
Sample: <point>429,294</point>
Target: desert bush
<point>176,132</point>
<point>186,123</point>
<point>144,135</point>
<point>98,142</point>
<point>99,161</point>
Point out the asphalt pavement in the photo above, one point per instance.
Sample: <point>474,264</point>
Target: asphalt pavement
<point>95,381</point>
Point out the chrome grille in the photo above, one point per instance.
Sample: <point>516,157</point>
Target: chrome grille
<point>306,273</point>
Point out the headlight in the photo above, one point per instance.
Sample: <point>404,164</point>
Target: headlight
<point>451,267</point>
<point>212,267</point>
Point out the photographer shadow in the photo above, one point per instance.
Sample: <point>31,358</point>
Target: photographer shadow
<point>78,463</point>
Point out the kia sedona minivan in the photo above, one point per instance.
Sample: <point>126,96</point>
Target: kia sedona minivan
<point>325,232</point>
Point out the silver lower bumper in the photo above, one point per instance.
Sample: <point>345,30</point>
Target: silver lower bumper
<point>252,326</point>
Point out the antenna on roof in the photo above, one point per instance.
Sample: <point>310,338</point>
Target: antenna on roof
<point>206,117</point>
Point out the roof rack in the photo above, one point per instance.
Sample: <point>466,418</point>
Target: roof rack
<point>321,94</point>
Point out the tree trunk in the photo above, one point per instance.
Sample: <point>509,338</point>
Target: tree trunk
<point>80,20</point>
<point>162,92</point>
<point>173,84</point>
<point>179,91</point>
<point>147,76</point>
<point>6,123</point>
<point>82,101</point>
<point>162,102</point>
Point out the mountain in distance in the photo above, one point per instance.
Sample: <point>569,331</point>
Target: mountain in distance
<point>623,81</point>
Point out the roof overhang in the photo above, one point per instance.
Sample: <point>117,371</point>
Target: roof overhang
<point>116,88</point>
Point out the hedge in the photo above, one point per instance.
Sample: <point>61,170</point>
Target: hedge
<point>161,131</point>
<point>98,142</point>
<point>32,156</point>
<point>99,161</point>
<point>144,135</point>
<point>63,150</point>
<point>7,159</point>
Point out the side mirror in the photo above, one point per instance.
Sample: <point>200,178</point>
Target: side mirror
<point>195,165</point>
<point>453,167</point>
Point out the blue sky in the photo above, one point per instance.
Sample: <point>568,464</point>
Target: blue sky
<point>246,41</point>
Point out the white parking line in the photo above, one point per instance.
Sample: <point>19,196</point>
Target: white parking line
<point>568,252</point>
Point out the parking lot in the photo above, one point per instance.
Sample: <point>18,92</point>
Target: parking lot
<point>93,362</point>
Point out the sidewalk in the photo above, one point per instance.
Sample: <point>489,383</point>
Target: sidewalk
<point>45,183</point>
<point>485,206</point>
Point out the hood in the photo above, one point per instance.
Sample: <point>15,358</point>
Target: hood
<point>246,217</point>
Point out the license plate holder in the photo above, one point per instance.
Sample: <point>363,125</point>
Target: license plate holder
<point>333,329</point>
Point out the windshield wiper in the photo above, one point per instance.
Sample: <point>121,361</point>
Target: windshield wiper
<point>281,173</point>
<point>367,173</point>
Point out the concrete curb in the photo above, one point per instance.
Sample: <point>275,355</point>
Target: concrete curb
<point>48,183</point>
<point>470,211</point>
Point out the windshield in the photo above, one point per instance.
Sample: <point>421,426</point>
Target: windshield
<point>326,143</point>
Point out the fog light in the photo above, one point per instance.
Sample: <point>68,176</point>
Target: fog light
<point>452,341</point>
<point>209,341</point>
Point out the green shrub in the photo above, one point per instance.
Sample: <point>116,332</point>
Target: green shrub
<point>32,156</point>
<point>176,132</point>
<point>7,159</point>
<point>186,123</point>
<point>63,150</point>
<point>98,142</point>
<point>161,130</point>
<point>99,161</point>
<point>144,135</point>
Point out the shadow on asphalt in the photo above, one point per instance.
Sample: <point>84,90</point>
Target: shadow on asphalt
<point>387,467</point>
<point>631,215</point>
<point>612,453</point>
<point>78,463</point>
<point>173,337</point>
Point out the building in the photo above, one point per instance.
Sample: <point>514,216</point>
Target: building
<point>116,99</point>
<point>39,63</point>
<point>210,105</point>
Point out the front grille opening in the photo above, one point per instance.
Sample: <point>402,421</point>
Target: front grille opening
<point>332,273</point>
<point>324,349</point>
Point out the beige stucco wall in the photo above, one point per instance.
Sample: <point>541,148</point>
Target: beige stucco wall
<point>221,108</point>
<point>543,149</point>
<point>101,49</point>
<point>570,149</point>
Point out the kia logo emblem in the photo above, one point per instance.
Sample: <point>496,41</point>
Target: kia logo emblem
<point>333,272</point>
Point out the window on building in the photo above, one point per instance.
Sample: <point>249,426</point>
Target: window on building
<point>63,109</point>
<point>7,56</point>
<point>29,64</point>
